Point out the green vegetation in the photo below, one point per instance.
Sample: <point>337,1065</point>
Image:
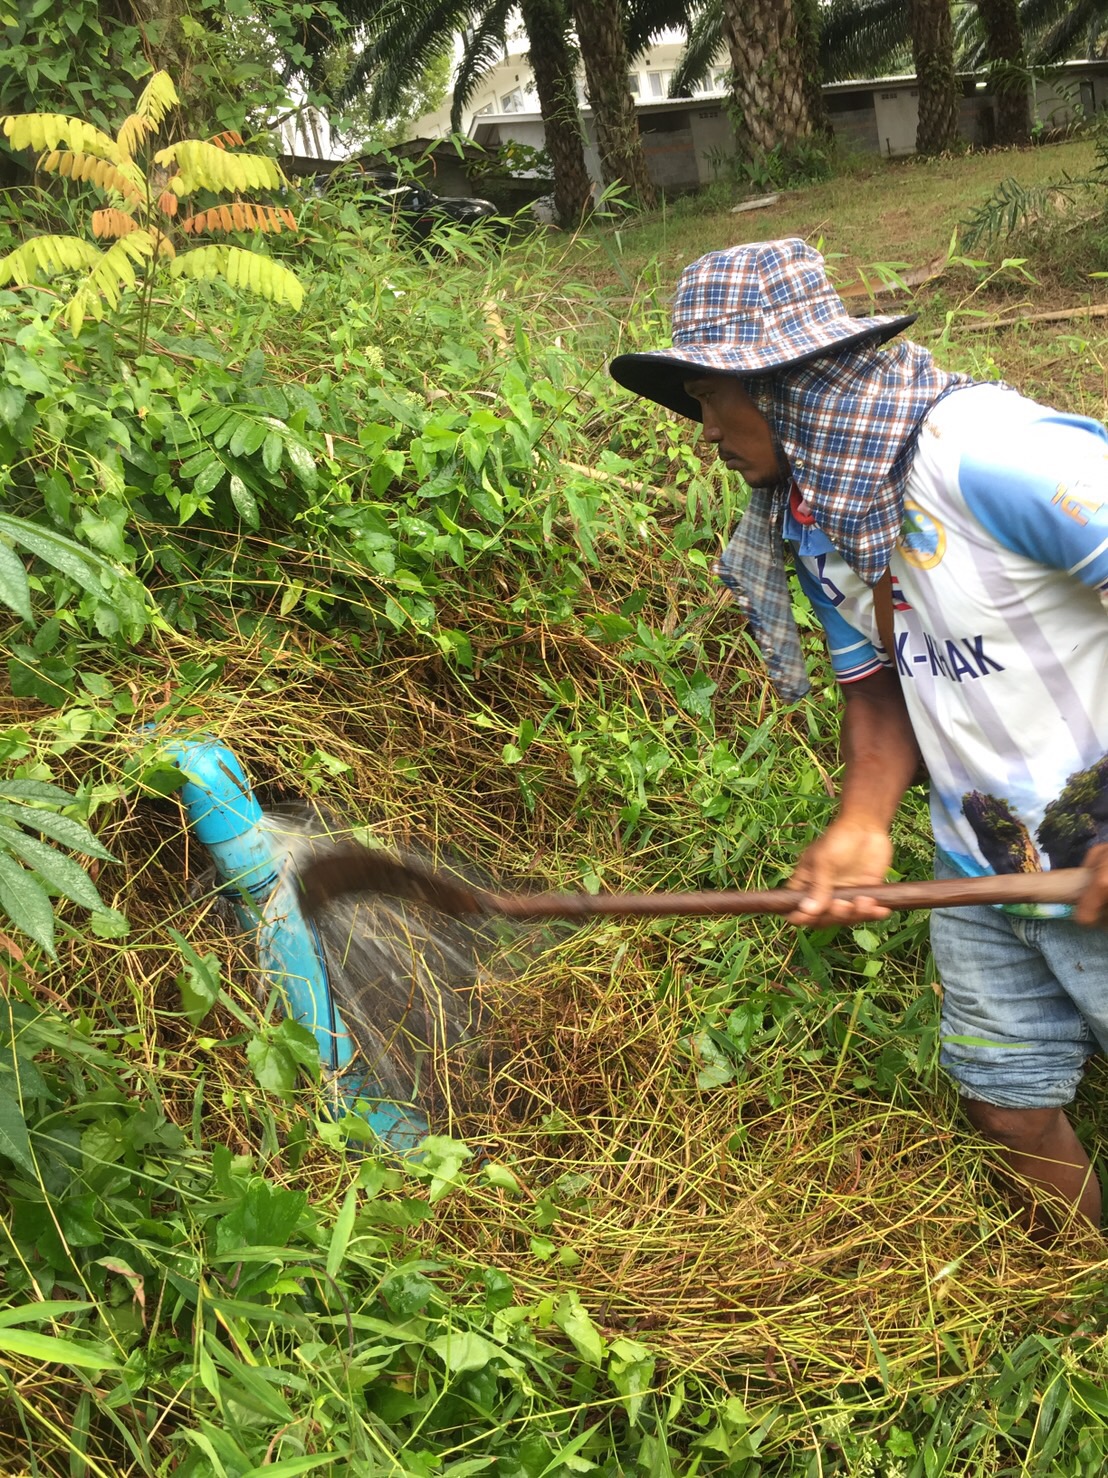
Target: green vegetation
<point>409,551</point>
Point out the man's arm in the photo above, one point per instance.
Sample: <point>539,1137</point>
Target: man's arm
<point>881,759</point>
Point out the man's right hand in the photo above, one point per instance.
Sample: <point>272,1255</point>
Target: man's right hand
<point>848,854</point>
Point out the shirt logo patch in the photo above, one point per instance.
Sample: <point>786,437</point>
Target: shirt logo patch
<point>922,538</point>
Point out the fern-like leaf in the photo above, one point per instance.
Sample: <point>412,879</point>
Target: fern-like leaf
<point>243,269</point>
<point>111,222</point>
<point>46,131</point>
<point>202,166</point>
<point>156,99</point>
<point>124,179</point>
<point>132,131</point>
<point>46,256</point>
<point>113,271</point>
<point>240,216</point>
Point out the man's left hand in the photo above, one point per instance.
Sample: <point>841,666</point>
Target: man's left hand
<point>1092,906</point>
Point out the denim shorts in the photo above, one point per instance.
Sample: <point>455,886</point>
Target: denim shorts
<point>1025,1002</point>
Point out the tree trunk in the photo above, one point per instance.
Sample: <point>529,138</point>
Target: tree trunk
<point>552,64</point>
<point>1008,66</point>
<point>807,17</point>
<point>769,91</point>
<point>933,51</point>
<point>599,26</point>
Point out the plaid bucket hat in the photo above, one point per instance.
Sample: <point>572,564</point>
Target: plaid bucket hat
<point>750,310</point>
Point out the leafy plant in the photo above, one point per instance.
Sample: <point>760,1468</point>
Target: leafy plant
<point>31,869</point>
<point>140,218</point>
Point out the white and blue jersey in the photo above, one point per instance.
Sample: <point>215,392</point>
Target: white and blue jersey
<point>1000,583</point>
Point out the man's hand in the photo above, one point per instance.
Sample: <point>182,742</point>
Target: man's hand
<point>1092,907</point>
<point>848,854</point>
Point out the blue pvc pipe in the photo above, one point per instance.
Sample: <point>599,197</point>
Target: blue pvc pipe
<point>224,814</point>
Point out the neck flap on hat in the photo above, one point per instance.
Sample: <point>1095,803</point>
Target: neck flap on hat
<point>847,423</point>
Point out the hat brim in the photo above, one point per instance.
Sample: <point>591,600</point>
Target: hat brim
<point>659,374</point>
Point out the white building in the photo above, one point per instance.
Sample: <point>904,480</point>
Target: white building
<point>509,87</point>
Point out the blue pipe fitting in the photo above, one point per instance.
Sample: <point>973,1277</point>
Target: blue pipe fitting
<point>223,813</point>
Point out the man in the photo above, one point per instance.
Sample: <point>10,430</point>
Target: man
<point>952,538</point>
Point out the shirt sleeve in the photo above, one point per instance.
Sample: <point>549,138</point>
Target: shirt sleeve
<point>853,655</point>
<point>1045,495</point>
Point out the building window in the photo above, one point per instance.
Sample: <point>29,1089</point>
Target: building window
<point>659,83</point>
<point>512,102</point>
<point>721,81</point>
<point>633,84</point>
<point>485,108</point>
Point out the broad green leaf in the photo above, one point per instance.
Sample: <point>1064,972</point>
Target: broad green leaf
<point>109,923</point>
<point>59,828</point>
<point>47,1308</point>
<point>573,1320</point>
<point>272,448</point>
<point>340,1237</point>
<point>47,1348</point>
<point>60,872</point>
<point>14,589</point>
<point>34,790</point>
<point>301,459</point>
<point>199,982</point>
<point>248,437</point>
<point>81,565</point>
<point>15,1142</point>
<point>461,1349</point>
<point>631,1370</point>
<point>26,903</point>
<point>289,1467</point>
<point>407,1291</point>
<point>500,1177</point>
<point>244,501</point>
<point>209,476</point>
<point>272,1064</point>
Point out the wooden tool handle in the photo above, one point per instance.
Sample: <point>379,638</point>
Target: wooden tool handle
<point>1062,886</point>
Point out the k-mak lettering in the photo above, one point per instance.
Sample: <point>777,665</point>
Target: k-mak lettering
<point>1000,578</point>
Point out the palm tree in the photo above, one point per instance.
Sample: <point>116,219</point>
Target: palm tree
<point>766,42</point>
<point>1000,20</point>
<point>933,54</point>
<point>599,26</point>
<point>553,63</point>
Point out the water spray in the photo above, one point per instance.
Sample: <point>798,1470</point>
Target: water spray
<point>254,858</point>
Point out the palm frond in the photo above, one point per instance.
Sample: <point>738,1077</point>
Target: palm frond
<point>702,46</point>
<point>483,49</point>
<point>398,45</point>
<point>644,19</point>
<point>862,38</point>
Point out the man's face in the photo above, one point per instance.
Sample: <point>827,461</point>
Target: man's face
<point>734,424</point>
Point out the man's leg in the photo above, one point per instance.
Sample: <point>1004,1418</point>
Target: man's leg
<point>1041,1148</point>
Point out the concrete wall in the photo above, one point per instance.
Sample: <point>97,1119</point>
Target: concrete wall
<point>712,135</point>
<point>896,112</point>
<point>670,152</point>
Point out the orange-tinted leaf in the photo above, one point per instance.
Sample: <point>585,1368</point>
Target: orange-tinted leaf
<point>111,222</point>
<point>167,201</point>
<point>240,216</point>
